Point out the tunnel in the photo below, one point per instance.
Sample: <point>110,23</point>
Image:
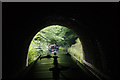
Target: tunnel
<point>96,24</point>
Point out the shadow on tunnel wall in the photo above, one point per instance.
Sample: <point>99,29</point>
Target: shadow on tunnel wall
<point>94,23</point>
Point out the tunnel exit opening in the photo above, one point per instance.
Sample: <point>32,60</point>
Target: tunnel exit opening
<point>67,41</point>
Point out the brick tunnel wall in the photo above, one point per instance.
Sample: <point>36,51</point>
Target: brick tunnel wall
<point>95,24</point>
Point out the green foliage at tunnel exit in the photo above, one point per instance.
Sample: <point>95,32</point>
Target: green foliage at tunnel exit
<point>61,35</point>
<point>76,50</point>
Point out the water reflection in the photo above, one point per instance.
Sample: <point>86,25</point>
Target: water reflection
<point>55,70</point>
